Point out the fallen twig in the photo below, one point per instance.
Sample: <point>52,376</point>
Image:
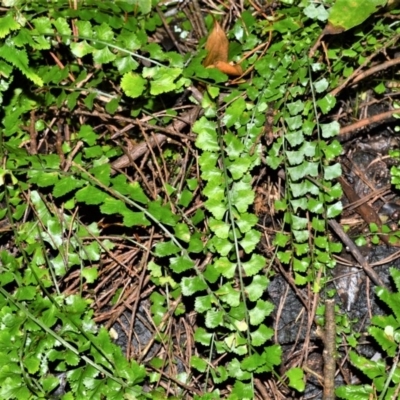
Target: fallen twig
<point>354,250</point>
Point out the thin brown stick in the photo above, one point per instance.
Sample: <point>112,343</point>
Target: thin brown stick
<point>335,91</point>
<point>261,388</point>
<point>33,134</point>
<point>329,350</point>
<point>375,69</point>
<point>138,151</point>
<point>346,130</point>
<point>135,306</point>
<point>133,121</point>
<point>356,253</point>
<point>168,30</point>
<point>367,212</point>
<point>188,118</point>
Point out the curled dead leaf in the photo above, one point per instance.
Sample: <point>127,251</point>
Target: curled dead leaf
<point>229,69</point>
<point>217,47</point>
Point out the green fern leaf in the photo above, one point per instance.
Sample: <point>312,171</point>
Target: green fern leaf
<point>395,274</point>
<point>7,25</point>
<point>391,299</point>
<point>19,59</point>
<point>385,338</point>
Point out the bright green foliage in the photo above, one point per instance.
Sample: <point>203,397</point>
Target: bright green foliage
<point>45,337</point>
<point>395,171</point>
<point>346,14</point>
<point>296,379</point>
<point>229,153</point>
<point>91,362</point>
<point>384,373</point>
<point>53,202</point>
<point>312,196</point>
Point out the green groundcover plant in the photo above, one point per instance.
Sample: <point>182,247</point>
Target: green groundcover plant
<point>85,62</point>
<point>384,372</point>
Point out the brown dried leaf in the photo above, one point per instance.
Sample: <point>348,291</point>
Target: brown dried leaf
<point>217,46</point>
<point>229,69</point>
